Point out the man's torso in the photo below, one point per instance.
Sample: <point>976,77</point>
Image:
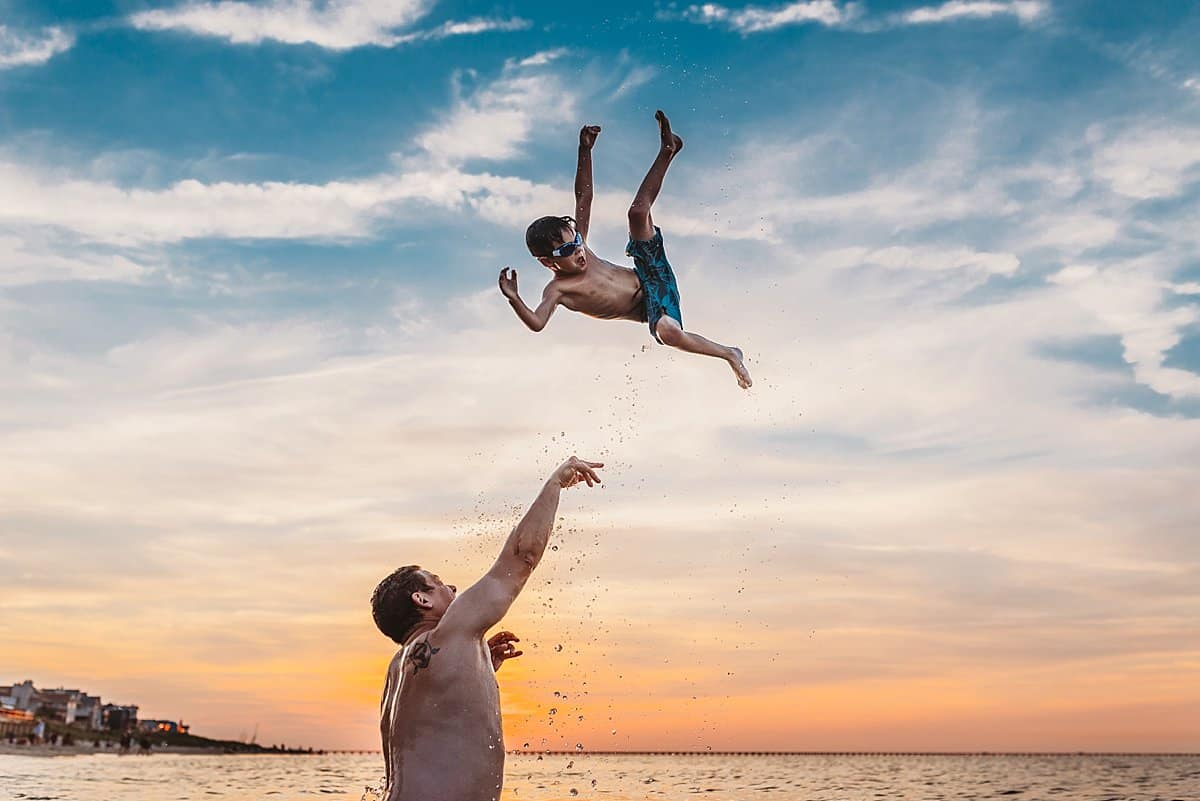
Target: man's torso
<point>441,722</point>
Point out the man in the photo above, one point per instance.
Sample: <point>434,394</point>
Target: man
<point>440,715</point>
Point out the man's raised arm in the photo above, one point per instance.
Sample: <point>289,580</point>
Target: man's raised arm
<point>486,601</point>
<point>583,179</point>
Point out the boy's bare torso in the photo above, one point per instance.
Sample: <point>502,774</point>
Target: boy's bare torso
<point>601,289</point>
<point>440,721</point>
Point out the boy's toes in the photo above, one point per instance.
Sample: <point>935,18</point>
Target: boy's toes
<point>664,129</point>
<point>739,369</point>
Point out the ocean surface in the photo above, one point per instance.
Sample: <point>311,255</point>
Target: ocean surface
<point>164,777</point>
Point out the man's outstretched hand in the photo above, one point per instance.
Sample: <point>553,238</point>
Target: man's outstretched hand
<point>501,647</point>
<point>508,283</point>
<point>588,134</point>
<point>574,470</point>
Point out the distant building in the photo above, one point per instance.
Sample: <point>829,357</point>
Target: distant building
<point>115,717</point>
<point>167,726</point>
<point>67,706</point>
<point>24,701</point>
<point>73,707</point>
<point>18,696</point>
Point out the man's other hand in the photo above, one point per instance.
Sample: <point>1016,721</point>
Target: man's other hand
<point>501,646</point>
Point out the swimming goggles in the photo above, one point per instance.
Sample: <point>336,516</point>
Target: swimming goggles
<point>567,248</point>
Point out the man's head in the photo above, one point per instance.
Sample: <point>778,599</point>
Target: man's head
<point>407,597</point>
<point>554,242</point>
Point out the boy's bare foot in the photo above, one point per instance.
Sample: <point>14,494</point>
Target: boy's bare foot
<point>739,369</point>
<point>670,141</point>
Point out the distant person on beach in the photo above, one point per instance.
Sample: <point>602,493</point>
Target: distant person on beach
<point>586,283</point>
<point>39,731</point>
<point>440,714</point>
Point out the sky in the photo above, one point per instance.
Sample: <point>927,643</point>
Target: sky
<point>253,358</point>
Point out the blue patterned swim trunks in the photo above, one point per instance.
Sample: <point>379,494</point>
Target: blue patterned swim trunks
<point>659,289</point>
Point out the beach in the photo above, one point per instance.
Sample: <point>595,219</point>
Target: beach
<point>87,749</point>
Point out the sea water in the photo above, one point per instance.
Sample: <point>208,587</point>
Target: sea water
<point>165,777</point>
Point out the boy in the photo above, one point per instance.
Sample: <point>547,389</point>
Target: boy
<point>584,282</point>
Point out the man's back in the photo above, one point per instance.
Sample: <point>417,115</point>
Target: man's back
<point>440,721</point>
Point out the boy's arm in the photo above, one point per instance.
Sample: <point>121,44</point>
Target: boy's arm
<point>482,604</point>
<point>535,319</point>
<point>583,179</point>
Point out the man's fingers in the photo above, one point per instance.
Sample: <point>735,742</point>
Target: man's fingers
<point>515,654</point>
<point>578,461</point>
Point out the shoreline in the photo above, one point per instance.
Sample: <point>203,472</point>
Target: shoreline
<point>50,751</point>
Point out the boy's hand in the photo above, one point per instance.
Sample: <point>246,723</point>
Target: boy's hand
<point>574,470</point>
<point>508,283</point>
<point>587,135</point>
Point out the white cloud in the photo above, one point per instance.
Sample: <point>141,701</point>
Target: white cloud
<point>104,212</point>
<point>1148,162</point>
<point>337,25</point>
<point>28,261</point>
<point>495,120</point>
<point>930,259</point>
<point>639,76</point>
<point>467,27</point>
<point>755,19</point>
<point>1128,300</point>
<point>20,50</point>
<point>1024,10</point>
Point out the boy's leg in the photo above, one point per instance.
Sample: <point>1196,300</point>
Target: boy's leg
<point>671,333</point>
<point>641,226</point>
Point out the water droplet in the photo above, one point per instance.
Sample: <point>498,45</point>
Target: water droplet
<point>558,648</point>
<point>574,791</point>
<point>578,746</point>
<point>553,710</point>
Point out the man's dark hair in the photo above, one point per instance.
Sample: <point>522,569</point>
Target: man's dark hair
<point>542,233</point>
<point>392,606</point>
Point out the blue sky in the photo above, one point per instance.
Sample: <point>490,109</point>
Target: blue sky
<point>249,329</point>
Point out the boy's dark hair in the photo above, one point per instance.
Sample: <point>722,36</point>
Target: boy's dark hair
<point>391,604</point>
<point>541,234</point>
